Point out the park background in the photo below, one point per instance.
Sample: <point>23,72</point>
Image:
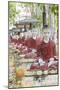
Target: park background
<point>4,43</point>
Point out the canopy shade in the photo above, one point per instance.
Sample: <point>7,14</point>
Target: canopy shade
<point>26,21</point>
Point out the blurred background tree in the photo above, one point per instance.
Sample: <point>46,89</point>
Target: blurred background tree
<point>12,12</point>
<point>36,10</point>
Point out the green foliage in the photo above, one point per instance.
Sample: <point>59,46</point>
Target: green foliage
<point>54,9</point>
<point>12,12</point>
<point>36,10</point>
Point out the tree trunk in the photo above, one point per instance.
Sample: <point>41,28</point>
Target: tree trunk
<point>45,15</point>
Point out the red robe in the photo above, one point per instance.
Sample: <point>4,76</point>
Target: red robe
<point>14,41</point>
<point>30,43</point>
<point>38,40</point>
<point>21,40</point>
<point>46,50</point>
